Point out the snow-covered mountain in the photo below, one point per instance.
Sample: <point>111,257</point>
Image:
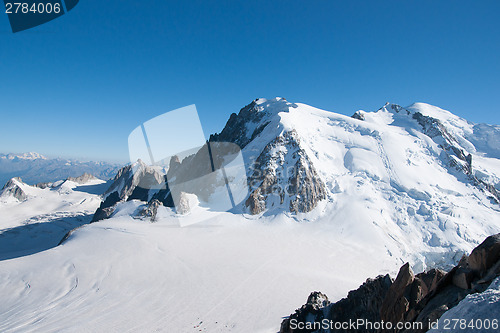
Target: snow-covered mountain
<point>416,181</point>
<point>333,199</point>
<point>13,190</point>
<point>34,168</point>
<point>411,176</point>
<point>407,149</point>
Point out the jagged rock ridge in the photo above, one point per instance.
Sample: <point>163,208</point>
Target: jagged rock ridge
<point>281,175</point>
<point>410,298</point>
<point>13,189</point>
<point>284,170</point>
<point>85,178</point>
<point>137,181</point>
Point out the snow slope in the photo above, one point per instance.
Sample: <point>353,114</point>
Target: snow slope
<point>225,275</point>
<point>45,215</point>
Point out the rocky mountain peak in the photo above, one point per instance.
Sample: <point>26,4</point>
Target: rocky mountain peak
<point>85,178</point>
<point>135,175</point>
<point>243,127</point>
<point>136,181</point>
<point>394,108</point>
<point>12,182</point>
<point>14,189</point>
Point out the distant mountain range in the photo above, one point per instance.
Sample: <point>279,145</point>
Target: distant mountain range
<point>34,168</point>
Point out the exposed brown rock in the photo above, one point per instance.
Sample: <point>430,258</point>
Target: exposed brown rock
<point>431,278</point>
<point>422,298</point>
<point>286,173</point>
<point>255,202</point>
<point>463,278</point>
<point>85,178</point>
<point>396,304</point>
<point>314,308</point>
<point>485,255</point>
<point>363,303</point>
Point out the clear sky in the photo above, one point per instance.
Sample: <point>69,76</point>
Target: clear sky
<point>77,86</point>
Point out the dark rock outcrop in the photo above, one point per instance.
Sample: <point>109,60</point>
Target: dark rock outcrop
<point>85,178</point>
<point>485,256</point>
<point>284,170</point>
<point>363,303</point>
<point>397,301</point>
<point>106,209</point>
<point>243,127</point>
<point>421,298</point>
<point>358,115</point>
<point>199,173</point>
<point>44,185</point>
<point>406,293</point>
<point>134,182</point>
<point>13,189</point>
<point>315,310</point>
<point>435,129</point>
<point>150,210</point>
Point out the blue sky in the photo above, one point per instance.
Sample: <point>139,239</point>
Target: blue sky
<point>77,86</point>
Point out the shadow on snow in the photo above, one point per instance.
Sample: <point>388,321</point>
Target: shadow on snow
<point>36,237</point>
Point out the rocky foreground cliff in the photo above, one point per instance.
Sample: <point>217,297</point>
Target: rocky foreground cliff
<point>415,302</point>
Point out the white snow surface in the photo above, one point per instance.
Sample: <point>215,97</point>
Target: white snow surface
<point>229,274</point>
<point>390,199</point>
